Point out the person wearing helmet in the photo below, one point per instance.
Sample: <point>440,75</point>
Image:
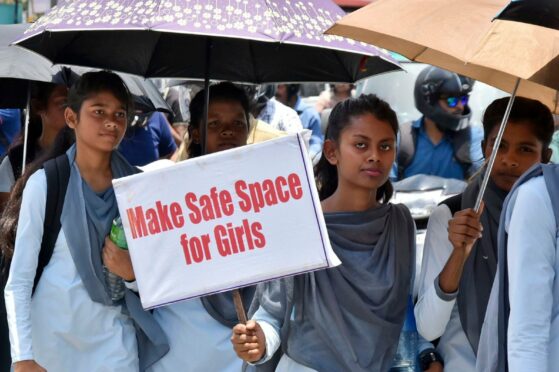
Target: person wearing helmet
<point>442,142</point>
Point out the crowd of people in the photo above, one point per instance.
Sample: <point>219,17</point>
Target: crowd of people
<point>487,296</point>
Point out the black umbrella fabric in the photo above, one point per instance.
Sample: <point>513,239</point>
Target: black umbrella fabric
<point>257,41</point>
<point>543,13</point>
<point>19,66</point>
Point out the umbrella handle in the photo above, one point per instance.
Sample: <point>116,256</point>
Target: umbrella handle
<point>496,146</point>
<point>239,307</point>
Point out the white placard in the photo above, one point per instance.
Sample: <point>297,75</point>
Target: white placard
<point>224,221</point>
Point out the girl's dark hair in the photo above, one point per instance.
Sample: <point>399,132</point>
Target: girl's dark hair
<point>225,91</point>
<point>523,110</point>
<point>326,173</point>
<point>92,83</point>
<point>89,84</point>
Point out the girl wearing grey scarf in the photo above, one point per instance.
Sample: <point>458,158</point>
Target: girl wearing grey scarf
<point>75,324</point>
<point>346,318</point>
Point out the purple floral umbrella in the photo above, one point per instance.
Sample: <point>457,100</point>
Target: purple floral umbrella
<point>254,41</point>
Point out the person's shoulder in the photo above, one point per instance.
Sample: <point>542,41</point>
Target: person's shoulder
<point>280,107</point>
<point>441,213</point>
<point>37,181</point>
<point>534,187</point>
<point>531,197</point>
<point>157,118</point>
<point>310,111</point>
<point>402,211</point>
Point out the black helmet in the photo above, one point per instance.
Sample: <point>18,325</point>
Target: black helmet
<point>433,82</point>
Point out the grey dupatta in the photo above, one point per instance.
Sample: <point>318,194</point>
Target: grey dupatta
<point>492,355</point>
<point>349,318</point>
<point>481,265</point>
<point>86,221</point>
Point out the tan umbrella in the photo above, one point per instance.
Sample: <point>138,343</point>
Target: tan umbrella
<point>461,36</point>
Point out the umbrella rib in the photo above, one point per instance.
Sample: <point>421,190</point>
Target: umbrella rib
<point>152,54</point>
<point>253,61</point>
<point>414,58</point>
<point>337,56</point>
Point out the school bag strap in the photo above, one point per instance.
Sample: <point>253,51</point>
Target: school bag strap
<point>57,171</point>
<point>551,178</point>
<point>406,147</point>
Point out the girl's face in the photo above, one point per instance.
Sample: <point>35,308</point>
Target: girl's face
<point>227,126</point>
<point>364,153</point>
<point>52,115</point>
<point>102,121</point>
<point>519,150</point>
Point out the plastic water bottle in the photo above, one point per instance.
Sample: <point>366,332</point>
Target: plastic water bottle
<point>115,283</point>
<point>405,359</point>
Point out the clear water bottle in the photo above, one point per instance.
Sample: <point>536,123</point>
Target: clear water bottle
<point>405,359</point>
<point>115,283</point>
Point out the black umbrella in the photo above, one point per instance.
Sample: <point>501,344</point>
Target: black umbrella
<point>543,13</point>
<point>19,67</point>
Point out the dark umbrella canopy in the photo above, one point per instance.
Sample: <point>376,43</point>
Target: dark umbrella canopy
<point>543,13</point>
<point>19,66</point>
<point>253,41</point>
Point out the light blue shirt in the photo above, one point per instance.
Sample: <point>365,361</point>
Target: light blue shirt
<point>310,120</point>
<point>533,267</point>
<point>439,159</point>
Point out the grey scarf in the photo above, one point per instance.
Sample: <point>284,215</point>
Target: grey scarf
<point>349,318</point>
<point>479,269</point>
<point>493,344</point>
<point>86,221</point>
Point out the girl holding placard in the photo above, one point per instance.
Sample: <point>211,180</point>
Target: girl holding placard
<point>346,318</point>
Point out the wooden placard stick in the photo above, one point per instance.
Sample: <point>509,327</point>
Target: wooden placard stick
<point>239,307</point>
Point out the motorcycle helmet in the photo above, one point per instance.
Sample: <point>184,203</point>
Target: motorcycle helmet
<point>430,85</point>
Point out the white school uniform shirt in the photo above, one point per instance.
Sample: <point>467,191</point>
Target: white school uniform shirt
<point>533,268</point>
<point>436,312</point>
<point>197,341</point>
<point>60,327</point>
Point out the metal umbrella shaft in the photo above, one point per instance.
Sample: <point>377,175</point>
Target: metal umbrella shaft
<point>26,127</point>
<point>496,146</point>
<point>239,307</point>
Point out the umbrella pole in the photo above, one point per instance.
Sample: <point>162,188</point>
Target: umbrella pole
<point>26,127</point>
<point>204,128</point>
<point>496,148</point>
<point>239,307</point>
